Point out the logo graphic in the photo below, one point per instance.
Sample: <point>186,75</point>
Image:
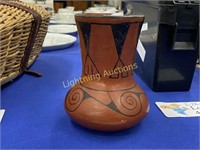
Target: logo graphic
<point>176,108</point>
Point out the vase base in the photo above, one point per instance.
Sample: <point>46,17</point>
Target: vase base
<point>114,127</point>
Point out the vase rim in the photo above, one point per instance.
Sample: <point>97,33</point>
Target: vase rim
<point>108,15</point>
<point>108,18</point>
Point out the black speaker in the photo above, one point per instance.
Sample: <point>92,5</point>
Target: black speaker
<point>168,51</point>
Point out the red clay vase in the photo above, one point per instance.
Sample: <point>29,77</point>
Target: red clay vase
<point>106,98</point>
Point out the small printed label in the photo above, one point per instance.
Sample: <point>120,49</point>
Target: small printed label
<point>2,111</point>
<point>179,109</point>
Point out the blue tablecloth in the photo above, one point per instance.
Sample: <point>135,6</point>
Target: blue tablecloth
<point>35,117</point>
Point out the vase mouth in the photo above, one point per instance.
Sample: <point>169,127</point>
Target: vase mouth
<point>108,18</point>
<point>108,15</point>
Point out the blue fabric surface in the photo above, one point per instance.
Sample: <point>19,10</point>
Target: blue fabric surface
<point>35,117</point>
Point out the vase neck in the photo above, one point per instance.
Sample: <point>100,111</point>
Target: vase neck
<point>108,49</point>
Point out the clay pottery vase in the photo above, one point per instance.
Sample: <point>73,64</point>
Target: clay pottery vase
<point>106,98</point>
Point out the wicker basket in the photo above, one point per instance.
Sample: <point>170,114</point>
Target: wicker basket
<point>22,31</point>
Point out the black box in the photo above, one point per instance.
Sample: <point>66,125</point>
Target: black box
<point>171,43</point>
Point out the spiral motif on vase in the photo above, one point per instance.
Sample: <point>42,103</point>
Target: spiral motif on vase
<point>130,104</point>
<point>74,99</point>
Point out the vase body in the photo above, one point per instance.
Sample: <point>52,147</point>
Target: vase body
<point>106,98</point>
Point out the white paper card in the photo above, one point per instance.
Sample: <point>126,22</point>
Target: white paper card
<point>141,51</point>
<point>144,27</point>
<point>179,109</point>
<point>140,48</point>
<point>2,111</point>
